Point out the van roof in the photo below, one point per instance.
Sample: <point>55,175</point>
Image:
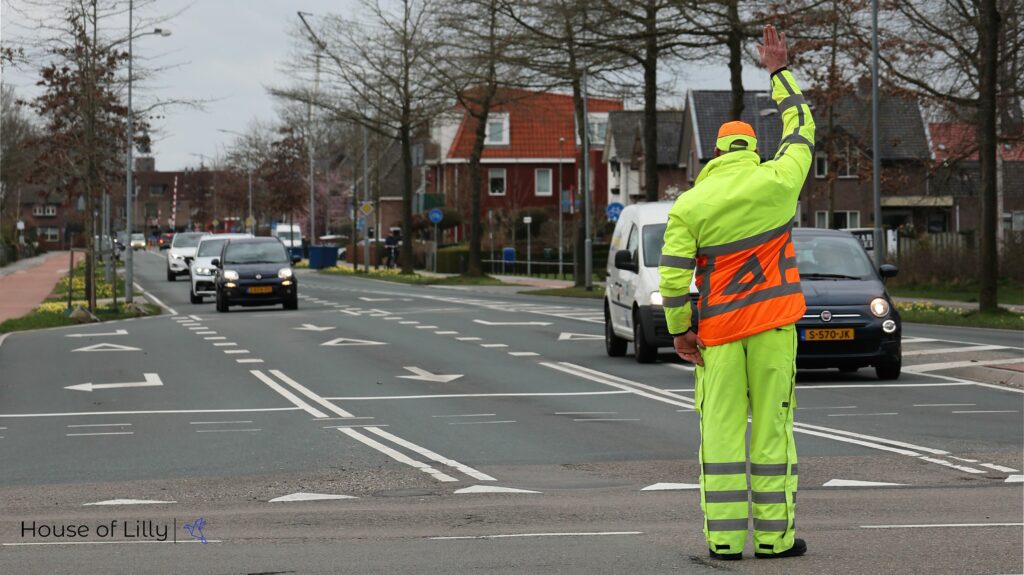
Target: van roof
<point>649,212</point>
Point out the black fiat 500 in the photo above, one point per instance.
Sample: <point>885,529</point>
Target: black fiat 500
<point>850,320</point>
<point>255,271</point>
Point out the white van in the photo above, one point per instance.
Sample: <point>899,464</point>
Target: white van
<point>632,303</point>
<point>289,234</point>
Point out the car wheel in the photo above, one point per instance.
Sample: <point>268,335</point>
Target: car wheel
<point>222,303</point>
<point>292,303</point>
<point>192,297</point>
<point>613,344</point>
<point>171,276</point>
<point>889,369</point>
<point>643,351</point>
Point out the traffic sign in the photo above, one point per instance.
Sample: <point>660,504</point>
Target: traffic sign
<point>613,210</point>
<point>436,215</point>
<point>360,224</point>
<point>366,208</point>
<point>20,225</point>
<point>527,220</point>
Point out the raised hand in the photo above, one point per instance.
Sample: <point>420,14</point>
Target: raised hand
<point>773,49</point>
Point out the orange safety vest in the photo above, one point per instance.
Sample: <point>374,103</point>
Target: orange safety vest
<point>748,286</point>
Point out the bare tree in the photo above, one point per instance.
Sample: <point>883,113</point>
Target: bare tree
<point>19,138</point>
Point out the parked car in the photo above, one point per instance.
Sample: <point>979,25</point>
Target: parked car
<point>181,252</point>
<point>201,270</point>
<point>253,272</point>
<point>138,241</point>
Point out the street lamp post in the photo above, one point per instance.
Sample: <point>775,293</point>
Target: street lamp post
<point>561,142</point>
<point>129,188</point>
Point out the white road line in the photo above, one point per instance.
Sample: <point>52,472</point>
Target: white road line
<point>233,351</point>
<point>197,328</point>
<point>214,338</point>
<point>217,422</point>
<point>859,442</point>
<point>467,415</point>
<point>869,438</point>
<point>249,360</point>
<point>95,425</point>
<point>681,366</point>
<point>206,333</point>
<point>355,425</point>
<point>287,394</point>
<point>999,467</point>
<point>878,385</point>
<point>953,465</point>
<point>607,419</point>
<point>446,332</point>
<point>860,414</point>
<point>224,430</point>
<point>410,322</point>
<point>926,367</point>
<point>944,404</point>
<point>988,411</point>
<point>479,422</point>
<point>225,344</point>
<point>156,300</point>
<point>907,339</point>
<point>426,327</point>
<point>958,381</point>
<point>304,391</point>
<point>100,433</point>
<point>493,345</point>
<point>396,455</point>
<point>511,535</point>
<point>523,353</point>
<point>150,412</point>
<point>925,525</point>
<point>431,455</point>
<point>392,318</point>
<point>620,383</point>
<point>839,407</point>
<point>586,413</point>
<point>947,350</point>
<point>460,395</point>
<point>468,338</point>
<point>195,317</point>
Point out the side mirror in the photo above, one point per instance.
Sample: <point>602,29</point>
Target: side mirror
<point>888,270</point>
<point>215,262</point>
<point>296,258</point>
<point>624,261</point>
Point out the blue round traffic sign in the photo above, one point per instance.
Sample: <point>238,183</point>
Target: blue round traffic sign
<point>436,215</point>
<point>613,210</point>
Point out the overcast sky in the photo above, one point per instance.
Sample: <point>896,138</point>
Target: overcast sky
<point>228,51</point>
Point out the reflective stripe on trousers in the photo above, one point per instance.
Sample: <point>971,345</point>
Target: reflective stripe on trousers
<point>761,367</point>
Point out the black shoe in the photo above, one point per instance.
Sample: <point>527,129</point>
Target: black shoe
<point>799,548</point>
<point>725,556</point>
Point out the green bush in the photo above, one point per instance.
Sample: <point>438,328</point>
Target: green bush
<point>453,259</point>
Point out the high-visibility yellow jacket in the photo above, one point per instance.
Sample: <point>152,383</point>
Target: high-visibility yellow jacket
<point>733,229</point>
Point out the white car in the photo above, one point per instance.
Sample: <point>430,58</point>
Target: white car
<point>183,249</point>
<point>632,303</point>
<point>201,270</point>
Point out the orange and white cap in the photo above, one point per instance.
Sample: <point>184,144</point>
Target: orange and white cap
<point>736,135</point>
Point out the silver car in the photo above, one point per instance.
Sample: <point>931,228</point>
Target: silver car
<point>201,271</point>
<point>183,249</point>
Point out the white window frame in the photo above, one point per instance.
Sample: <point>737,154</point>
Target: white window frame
<point>48,234</point>
<point>50,210</point>
<point>820,160</point>
<point>844,161</point>
<point>536,182</point>
<point>492,173</point>
<point>849,222</point>
<point>821,215</point>
<point>37,210</point>
<point>488,134</point>
<point>593,118</point>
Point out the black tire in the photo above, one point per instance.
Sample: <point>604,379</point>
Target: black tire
<point>643,351</point>
<point>222,304</point>
<point>613,344</point>
<point>171,276</point>
<point>889,370</point>
<point>292,303</point>
<point>192,297</point>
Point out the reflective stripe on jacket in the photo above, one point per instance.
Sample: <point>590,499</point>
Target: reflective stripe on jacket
<point>733,229</point>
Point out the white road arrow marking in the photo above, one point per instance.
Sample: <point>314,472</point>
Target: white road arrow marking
<point>491,489</point>
<point>344,341</point>
<point>118,332</point>
<point>856,483</point>
<point>1015,479</point>
<point>567,336</point>
<point>107,347</point>
<point>128,502</point>
<point>308,497</point>
<point>485,322</point>
<point>425,375</point>
<point>670,486</point>
<point>152,380</point>
<point>311,327</point>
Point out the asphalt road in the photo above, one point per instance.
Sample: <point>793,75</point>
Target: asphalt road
<point>405,403</point>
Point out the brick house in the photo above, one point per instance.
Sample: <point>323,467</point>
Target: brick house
<point>624,153</point>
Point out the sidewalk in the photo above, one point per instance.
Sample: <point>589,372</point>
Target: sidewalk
<point>26,283</point>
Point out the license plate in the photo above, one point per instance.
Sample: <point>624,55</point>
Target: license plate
<point>261,289</point>
<point>827,334</point>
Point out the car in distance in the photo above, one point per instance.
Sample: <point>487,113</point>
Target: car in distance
<point>164,241</point>
<point>850,320</point>
<point>254,272</point>
<point>181,252</point>
<point>201,270</point>
<point>138,241</point>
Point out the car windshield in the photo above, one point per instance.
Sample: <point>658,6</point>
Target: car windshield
<point>138,237</point>
<point>654,239</point>
<point>210,248</point>
<point>255,253</point>
<point>186,240</point>
<point>831,257</point>
<point>288,236</point>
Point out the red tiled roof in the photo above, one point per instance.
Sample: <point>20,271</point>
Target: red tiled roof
<point>536,121</point>
<point>957,141</point>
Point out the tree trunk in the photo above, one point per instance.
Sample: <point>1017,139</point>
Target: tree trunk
<point>735,43</point>
<point>986,134</point>
<point>406,256</point>
<point>650,110</point>
<point>475,268</point>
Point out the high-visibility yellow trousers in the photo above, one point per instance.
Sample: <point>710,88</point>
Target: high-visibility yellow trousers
<point>756,373</point>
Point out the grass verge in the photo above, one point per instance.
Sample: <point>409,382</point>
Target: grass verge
<point>595,293</point>
<point>414,279</point>
<point>52,314</point>
<point>926,312</point>
<point>1009,293</point>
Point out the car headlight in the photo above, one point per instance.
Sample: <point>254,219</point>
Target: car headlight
<point>230,275</point>
<point>204,272</point>
<point>284,273</point>
<point>656,298</point>
<point>879,307</point>
<point>177,256</point>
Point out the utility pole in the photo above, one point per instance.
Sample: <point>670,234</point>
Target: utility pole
<point>876,150</point>
<point>366,200</point>
<point>561,142</point>
<point>588,207</point>
<point>309,129</point>
<point>129,187</point>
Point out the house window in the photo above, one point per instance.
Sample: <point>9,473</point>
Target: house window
<point>597,128</point>
<point>496,181</point>
<point>542,181</point>
<point>820,165</point>
<point>848,162</point>
<point>417,154</point>
<point>48,234</point>
<point>840,219</point>
<point>497,131</point>
<point>157,189</point>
